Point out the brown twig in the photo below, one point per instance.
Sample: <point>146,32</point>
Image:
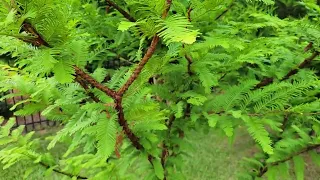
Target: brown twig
<point>123,12</point>
<point>189,59</point>
<point>165,12</point>
<point>225,11</point>
<point>264,82</point>
<point>93,82</point>
<point>146,57</point>
<point>118,95</point>
<point>285,122</point>
<point>308,47</point>
<point>307,61</point>
<point>140,66</point>
<point>189,13</point>
<point>265,168</point>
<point>38,40</point>
<point>165,150</point>
<point>124,124</point>
<point>61,172</point>
<point>86,88</point>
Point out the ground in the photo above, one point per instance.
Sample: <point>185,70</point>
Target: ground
<point>214,158</point>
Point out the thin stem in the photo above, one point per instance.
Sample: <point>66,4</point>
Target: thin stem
<point>140,66</point>
<point>165,12</point>
<point>265,168</point>
<point>124,124</point>
<point>269,80</point>
<point>62,172</point>
<point>94,82</point>
<point>225,11</point>
<point>306,62</point>
<point>285,122</point>
<point>189,59</point>
<point>189,13</point>
<point>86,88</point>
<point>38,41</point>
<point>122,11</point>
<point>264,82</point>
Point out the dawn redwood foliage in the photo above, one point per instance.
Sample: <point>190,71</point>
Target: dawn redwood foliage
<point>194,65</point>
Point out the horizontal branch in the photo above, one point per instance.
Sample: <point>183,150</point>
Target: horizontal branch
<point>62,172</point>
<point>94,82</point>
<point>225,11</point>
<point>123,12</point>
<point>265,168</point>
<point>269,80</point>
<point>306,62</point>
<point>86,88</point>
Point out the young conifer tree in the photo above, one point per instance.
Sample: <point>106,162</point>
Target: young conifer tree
<point>190,65</point>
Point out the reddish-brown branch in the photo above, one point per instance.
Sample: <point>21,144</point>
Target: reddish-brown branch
<point>189,13</point>
<point>61,172</point>
<point>170,122</point>
<point>187,112</point>
<point>189,59</point>
<point>118,99</point>
<point>123,12</point>
<point>164,155</point>
<point>124,124</point>
<point>86,88</point>
<point>265,168</point>
<point>308,47</point>
<point>94,82</point>
<point>37,40</point>
<point>264,82</point>
<point>225,11</point>
<point>284,122</point>
<point>146,57</point>
<point>165,12</point>
<point>307,61</point>
<point>140,66</point>
<point>189,64</point>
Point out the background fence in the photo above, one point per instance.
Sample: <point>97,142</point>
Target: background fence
<point>31,122</point>
<point>36,121</point>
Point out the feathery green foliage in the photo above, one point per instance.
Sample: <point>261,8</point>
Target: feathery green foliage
<point>190,65</point>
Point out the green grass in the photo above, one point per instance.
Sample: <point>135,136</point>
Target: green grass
<point>213,159</point>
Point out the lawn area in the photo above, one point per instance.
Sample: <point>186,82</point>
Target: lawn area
<point>213,159</point>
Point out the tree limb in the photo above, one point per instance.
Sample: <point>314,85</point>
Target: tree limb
<point>269,80</point>
<point>189,64</point>
<point>225,11</point>
<point>265,168</point>
<point>140,66</point>
<point>61,172</point>
<point>124,124</point>
<point>189,13</point>
<point>123,12</point>
<point>86,88</point>
<point>94,82</point>
<point>306,62</point>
